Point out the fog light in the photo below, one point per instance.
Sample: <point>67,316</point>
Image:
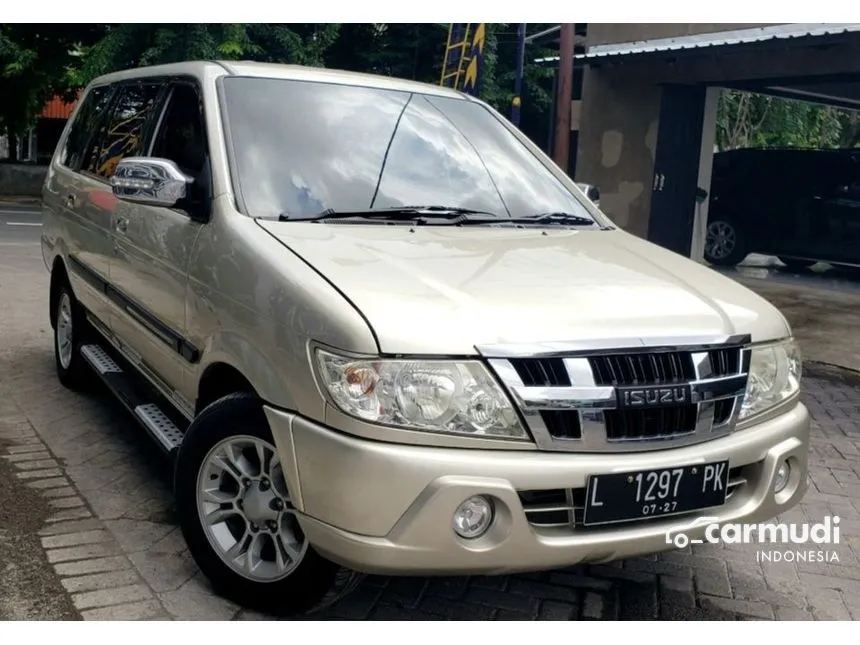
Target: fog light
<point>782,475</point>
<point>473,517</point>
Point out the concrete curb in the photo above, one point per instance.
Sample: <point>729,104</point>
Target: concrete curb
<point>20,199</point>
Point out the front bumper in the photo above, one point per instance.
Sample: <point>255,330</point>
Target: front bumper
<point>387,508</point>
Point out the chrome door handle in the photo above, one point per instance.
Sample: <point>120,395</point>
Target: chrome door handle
<point>122,224</point>
<point>69,201</point>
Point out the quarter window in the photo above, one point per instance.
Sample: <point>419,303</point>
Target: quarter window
<point>86,121</point>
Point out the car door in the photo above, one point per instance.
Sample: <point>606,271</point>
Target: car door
<point>153,246</point>
<point>850,212</point>
<point>121,133</point>
<point>833,211</point>
<point>846,208</point>
<point>83,226</point>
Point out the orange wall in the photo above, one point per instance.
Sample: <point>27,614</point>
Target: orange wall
<point>56,108</point>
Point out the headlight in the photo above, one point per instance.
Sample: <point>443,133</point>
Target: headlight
<point>457,397</point>
<point>774,376</point>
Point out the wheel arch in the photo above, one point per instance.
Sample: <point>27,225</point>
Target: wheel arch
<point>218,380</point>
<point>255,363</point>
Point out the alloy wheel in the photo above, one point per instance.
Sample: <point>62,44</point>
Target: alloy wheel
<point>64,330</point>
<point>721,240</point>
<point>245,509</point>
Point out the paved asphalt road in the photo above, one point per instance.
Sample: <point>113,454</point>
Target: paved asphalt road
<point>87,525</point>
<point>19,224</point>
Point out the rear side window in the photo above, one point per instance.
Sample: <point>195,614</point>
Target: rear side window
<point>81,132</point>
<point>122,134</point>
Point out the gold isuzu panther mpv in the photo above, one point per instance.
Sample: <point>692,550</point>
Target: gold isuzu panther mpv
<point>379,331</point>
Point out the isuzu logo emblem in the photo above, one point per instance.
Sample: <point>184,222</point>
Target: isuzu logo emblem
<point>654,396</point>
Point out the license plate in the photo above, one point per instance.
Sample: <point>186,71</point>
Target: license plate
<point>639,495</point>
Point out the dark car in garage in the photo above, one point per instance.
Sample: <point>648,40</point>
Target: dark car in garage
<point>800,205</point>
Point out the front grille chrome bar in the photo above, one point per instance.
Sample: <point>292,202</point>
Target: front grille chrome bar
<point>606,397</point>
<point>596,346</point>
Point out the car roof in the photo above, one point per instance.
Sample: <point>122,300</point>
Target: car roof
<point>279,71</point>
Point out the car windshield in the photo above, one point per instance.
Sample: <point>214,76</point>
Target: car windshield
<point>300,148</point>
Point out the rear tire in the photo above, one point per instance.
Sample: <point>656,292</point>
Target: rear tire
<point>71,330</point>
<point>235,513</point>
<point>724,243</point>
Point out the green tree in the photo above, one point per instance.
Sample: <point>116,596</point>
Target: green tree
<point>135,45</point>
<point>849,134</point>
<point>412,51</point>
<point>36,62</point>
<point>416,51</point>
<point>537,89</point>
<point>746,120</point>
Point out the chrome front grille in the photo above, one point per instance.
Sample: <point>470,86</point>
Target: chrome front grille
<point>651,367</point>
<point>638,395</point>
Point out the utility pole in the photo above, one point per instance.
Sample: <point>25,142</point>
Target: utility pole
<point>518,82</point>
<point>564,96</point>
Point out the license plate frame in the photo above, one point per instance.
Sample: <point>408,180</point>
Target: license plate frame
<point>613,498</point>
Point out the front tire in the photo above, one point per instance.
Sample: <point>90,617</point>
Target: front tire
<point>724,243</point>
<point>71,330</point>
<point>235,513</point>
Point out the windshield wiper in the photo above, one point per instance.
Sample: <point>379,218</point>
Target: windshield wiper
<point>446,215</point>
<point>399,213</point>
<point>555,218</point>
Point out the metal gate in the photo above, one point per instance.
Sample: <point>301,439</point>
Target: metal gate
<point>676,167</point>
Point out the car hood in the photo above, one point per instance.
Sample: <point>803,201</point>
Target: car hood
<point>446,290</point>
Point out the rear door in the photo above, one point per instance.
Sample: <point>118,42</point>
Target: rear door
<point>841,208</point>
<point>84,231</point>
<point>827,213</point>
<point>122,133</point>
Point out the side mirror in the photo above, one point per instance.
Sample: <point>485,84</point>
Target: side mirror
<point>149,180</point>
<point>592,192</point>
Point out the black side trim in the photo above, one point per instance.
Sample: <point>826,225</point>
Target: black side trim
<point>145,317</point>
<point>89,274</point>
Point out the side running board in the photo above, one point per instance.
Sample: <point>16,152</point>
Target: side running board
<point>136,395</point>
<point>159,425</point>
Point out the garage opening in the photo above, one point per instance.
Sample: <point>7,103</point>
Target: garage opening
<point>785,179</point>
<point>756,125</point>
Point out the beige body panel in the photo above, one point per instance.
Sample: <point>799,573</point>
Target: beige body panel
<point>444,290</point>
<point>385,508</point>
